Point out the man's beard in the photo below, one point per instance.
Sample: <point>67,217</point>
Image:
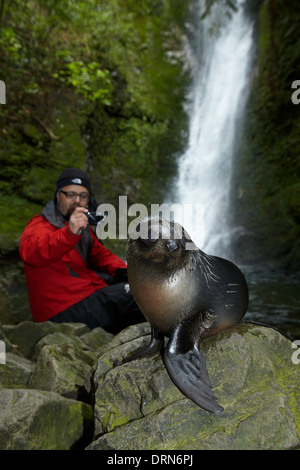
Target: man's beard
<point>70,211</point>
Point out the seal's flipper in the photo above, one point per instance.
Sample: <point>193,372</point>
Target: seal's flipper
<point>155,345</point>
<point>186,367</point>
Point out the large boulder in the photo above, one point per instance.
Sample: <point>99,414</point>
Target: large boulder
<point>16,371</point>
<point>64,362</point>
<point>38,389</point>
<point>137,406</point>
<point>62,368</point>
<point>27,334</point>
<point>91,340</point>
<point>39,420</point>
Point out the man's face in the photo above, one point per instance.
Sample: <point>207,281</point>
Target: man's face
<point>66,204</point>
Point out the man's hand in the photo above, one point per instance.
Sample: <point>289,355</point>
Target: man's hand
<point>78,220</point>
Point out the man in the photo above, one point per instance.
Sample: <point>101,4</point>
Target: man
<point>70,275</point>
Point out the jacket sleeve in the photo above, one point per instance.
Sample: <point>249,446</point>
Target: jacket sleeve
<point>42,244</point>
<point>104,258</point>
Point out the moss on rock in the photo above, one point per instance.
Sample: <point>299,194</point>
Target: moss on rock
<point>252,375</point>
<point>39,420</point>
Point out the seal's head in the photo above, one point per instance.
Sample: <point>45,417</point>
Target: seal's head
<point>161,242</point>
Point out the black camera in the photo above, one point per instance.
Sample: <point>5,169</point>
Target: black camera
<point>94,219</point>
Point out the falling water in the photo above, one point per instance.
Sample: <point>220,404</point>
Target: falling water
<point>218,98</point>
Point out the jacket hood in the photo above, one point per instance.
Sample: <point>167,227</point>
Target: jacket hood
<point>52,214</point>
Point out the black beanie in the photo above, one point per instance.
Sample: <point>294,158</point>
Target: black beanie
<point>73,176</point>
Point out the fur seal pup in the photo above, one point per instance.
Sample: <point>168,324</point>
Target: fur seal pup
<point>185,295</point>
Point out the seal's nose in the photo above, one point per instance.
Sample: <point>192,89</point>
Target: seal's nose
<point>172,245</point>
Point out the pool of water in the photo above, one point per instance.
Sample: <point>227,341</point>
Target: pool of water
<point>274,299</point>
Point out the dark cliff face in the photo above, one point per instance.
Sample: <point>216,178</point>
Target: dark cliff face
<point>266,186</point>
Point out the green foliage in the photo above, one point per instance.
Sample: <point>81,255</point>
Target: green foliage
<point>99,85</point>
<point>15,213</point>
<point>92,82</point>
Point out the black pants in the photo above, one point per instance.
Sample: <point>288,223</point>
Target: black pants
<point>112,308</point>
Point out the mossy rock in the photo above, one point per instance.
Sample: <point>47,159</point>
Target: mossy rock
<point>137,406</point>
<point>16,371</point>
<point>62,368</point>
<point>27,334</point>
<point>39,420</point>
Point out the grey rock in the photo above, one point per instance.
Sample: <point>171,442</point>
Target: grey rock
<point>62,368</point>
<point>27,334</point>
<point>16,372</point>
<point>39,420</point>
<point>137,406</point>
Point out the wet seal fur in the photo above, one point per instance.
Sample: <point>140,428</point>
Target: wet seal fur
<point>185,295</point>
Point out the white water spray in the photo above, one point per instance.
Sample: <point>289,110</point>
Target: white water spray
<point>218,98</point>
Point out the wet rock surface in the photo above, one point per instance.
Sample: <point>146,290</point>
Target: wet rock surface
<point>138,407</point>
<point>43,398</point>
<point>61,388</point>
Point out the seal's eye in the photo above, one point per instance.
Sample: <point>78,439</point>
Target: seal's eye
<point>172,245</point>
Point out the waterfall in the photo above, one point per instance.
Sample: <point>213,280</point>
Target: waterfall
<point>217,102</point>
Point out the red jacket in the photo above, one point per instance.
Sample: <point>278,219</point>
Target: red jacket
<point>58,264</point>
